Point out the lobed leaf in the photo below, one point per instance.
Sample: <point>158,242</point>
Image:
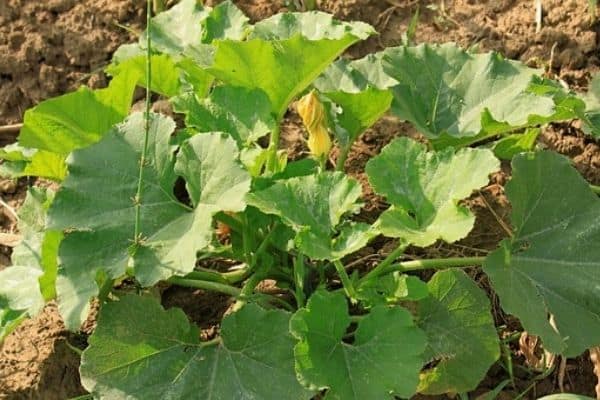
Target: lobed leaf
<point>551,266</point>
<point>295,48</point>
<point>461,334</point>
<point>382,362</point>
<point>312,206</point>
<point>243,113</point>
<point>424,189</point>
<point>140,351</point>
<point>95,207</point>
<point>446,91</point>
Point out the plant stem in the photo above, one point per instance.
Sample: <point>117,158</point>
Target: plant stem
<point>342,157</point>
<point>273,162</point>
<point>206,285</point>
<point>348,287</point>
<point>595,189</point>
<point>436,263</point>
<point>246,292</point>
<point>213,342</point>
<point>263,245</point>
<point>138,195</point>
<point>10,129</point>
<point>382,267</point>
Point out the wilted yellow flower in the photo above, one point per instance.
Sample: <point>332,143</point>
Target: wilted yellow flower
<point>313,116</point>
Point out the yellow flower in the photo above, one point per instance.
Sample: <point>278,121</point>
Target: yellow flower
<point>313,116</point>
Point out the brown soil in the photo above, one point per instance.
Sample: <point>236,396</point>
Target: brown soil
<point>54,46</point>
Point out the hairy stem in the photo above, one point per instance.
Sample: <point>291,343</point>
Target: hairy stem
<point>138,195</point>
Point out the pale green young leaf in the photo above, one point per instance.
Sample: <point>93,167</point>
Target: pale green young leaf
<point>95,206</point>
<point>424,189</point>
<point>382,362</point>
<point>446,90</point>
<point>62,124</point>
<point>284,54</point>
<point>313,206</point>
<point>551,266</point>
<point>140,351</point>
<point>245,114</point>
<point>461,334</point>
<point>165,74</point>
<point>225,21</point>
<point>511,145</point>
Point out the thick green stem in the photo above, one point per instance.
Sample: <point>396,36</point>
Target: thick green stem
<point>379,269</point>
<point>137,235</point>
<point>342,157</point>
<point>205,274</point>
<point>348,286</point>
<point>435,263</point>
<point>206,285</point>
<point>246,292</point>
<point>595,189</point>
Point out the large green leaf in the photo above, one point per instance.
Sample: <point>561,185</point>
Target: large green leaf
<point>285,54</point>
<point>173,30</point>
<point>25,286</point>
<point>140,351</point>
<point>95,207</point>
<point>461,334</point>
<point>313,206</point>
<point>20,161</point>
<point>551,266</point>
<point>383,361</point>
<point>65,123</point>
<point>225,21</point>
<point>424,189</point>
<point>245,114</point>
<point>444,90</point>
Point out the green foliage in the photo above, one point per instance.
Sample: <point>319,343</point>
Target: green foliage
<point>383,360</point>
<point>424,189</point>
<point>552,262</point>
<point>462,95</point>
<point>313,206</point>
<point>25,286</point>
<point>144,199</point>
<point>100,217</point>
<point>243,113</point>
<point>157,355</point>
<point>460,334</point>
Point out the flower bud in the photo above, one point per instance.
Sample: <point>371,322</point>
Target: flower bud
<point>313,116</point>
